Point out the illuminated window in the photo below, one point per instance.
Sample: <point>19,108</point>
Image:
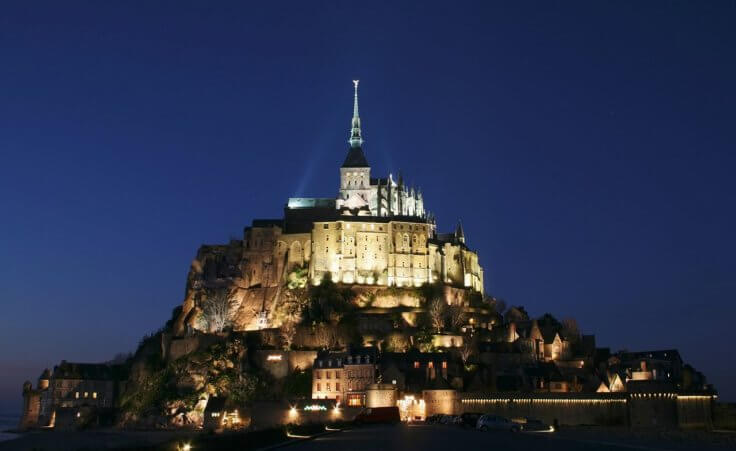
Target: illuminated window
<point>416,364</point>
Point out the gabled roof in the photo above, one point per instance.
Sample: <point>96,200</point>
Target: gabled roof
<point>89,371</point>
<point>549,333</point>
<point>355,159</point>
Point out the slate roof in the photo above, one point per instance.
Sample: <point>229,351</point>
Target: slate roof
<point>355,159</point>
<point>89,371</point>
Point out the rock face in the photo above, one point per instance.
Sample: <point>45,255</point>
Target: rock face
<point>258,276</point>
<point>174,391</point>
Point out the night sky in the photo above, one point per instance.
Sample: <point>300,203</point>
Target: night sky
<point>589,148</point>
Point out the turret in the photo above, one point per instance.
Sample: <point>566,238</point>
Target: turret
<point>43,379</point>
<point>459,233</point>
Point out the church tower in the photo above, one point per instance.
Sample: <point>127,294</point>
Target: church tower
<point>355,174</point>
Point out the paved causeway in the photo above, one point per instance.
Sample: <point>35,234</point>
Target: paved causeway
<point>450,438</point>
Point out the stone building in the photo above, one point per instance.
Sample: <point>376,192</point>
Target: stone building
<point>72,389</point>
<point>375,232</point>
<point>344,376</point>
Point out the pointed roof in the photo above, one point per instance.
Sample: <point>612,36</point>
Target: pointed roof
<point>355,159</point>
<point>459,232</point>
<point>356,137</point>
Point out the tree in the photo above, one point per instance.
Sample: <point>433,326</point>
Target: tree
<point>516,314</point>
<point>499,305</point>
<point>456,317</point>
<point>437,309</point>
<point>423,339</point>
<point>467,349</point>
<point>328,302</point>
<point>431,291</point>
<point>570,330</point>
<point>217,309</point>
<point>326,335</point>
<point>548,320</point>
<point>395,342</point>
<point>288,333</point>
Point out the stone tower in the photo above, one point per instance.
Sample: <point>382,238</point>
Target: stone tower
<point>355,173</point>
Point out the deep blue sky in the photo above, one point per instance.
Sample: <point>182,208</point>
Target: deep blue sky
<point>589,148</point>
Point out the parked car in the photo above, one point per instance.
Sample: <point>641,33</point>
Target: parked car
<point>533,425</point>
<point>470,419</point>
<point>495,422</point>
<point>378,415</point>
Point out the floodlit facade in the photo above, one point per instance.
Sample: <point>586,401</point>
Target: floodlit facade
<point>375,232</point>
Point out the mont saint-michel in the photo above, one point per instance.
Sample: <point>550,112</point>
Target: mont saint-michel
<point>356,307</point>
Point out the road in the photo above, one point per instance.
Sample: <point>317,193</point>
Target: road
<point>450,438</point>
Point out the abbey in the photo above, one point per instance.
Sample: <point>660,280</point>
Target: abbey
<point>374,232</point>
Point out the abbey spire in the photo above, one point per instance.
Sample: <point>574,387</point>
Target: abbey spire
<point>356,139</point>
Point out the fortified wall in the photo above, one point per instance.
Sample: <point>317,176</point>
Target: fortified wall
<point>638,410</point>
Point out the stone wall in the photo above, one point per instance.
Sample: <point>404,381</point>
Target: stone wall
<point>695,412</point>
<point>381,395</point>
<point>637,410</point>
<point>31,408</point>
<point>280,363</point>
<point>441,402</point>
<point>179,347</point>
<point>653,410</point>
<point>269,414</point>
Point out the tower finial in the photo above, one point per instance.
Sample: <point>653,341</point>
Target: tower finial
<point>356,139</point>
